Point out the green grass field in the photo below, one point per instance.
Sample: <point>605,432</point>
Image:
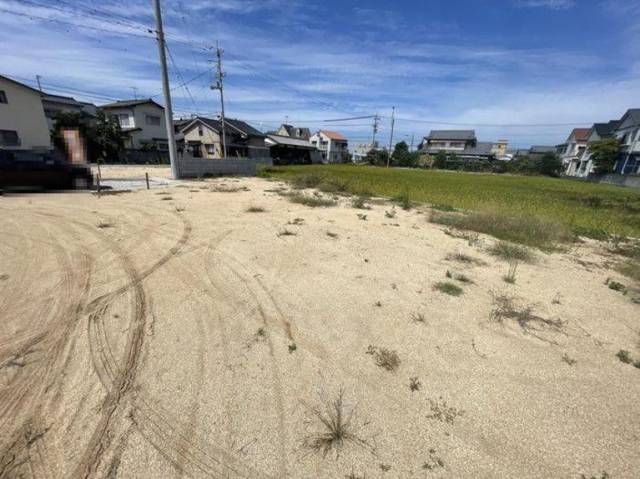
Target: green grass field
<point>588,209</point>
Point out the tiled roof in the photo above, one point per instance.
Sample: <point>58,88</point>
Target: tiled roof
<point>129,103</point>
<point>333,135</point>
<point>452,135</point>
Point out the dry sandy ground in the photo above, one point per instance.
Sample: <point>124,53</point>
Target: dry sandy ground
<point>150,335</point>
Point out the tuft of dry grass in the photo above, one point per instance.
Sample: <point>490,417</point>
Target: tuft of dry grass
<point>228,189</point>
<point>332,235</point>
<point>510,277</point>
<point>286,232</point>
<point>311,201</point>
<point>464,258</point>
<point>255,209</point>
<point>506,307</point>
<point>414,384</point>
<point>105,224</point>
<point>441,411</point>
<point>384,358</point>
<point>336,427</point>
<point>418,318</point>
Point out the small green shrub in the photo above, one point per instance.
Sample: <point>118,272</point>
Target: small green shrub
<point>403,199</point>
<point>449,288</point>
<point>624,356</point>
<point>511,252</point>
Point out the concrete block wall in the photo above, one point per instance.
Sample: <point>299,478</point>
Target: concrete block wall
<point>197,167</point>
<point>631,181</point>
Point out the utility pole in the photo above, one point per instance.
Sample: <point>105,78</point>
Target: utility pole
<point>411,147</point>
<point>135,92</point>
<point>376,119</point>
<point>39,85</point>
<point>393,122</point>
<point>175,171</point>
<point>219,85</point>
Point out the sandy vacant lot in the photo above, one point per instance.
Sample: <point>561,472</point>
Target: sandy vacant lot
<point>170,333</point>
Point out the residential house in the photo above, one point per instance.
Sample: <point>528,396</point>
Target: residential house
<point>142,121</point>
<point>571,151</point>
<point>294,132</point>
<point>361,150</point>
<point>449,141</point>
<point>202,138</point>
<point>536,152</point>
<point>23,124</point>
<point>464,144</point>
<point>286,150</point>
<point>628,134</point>
<point>54,104</point>
<point>333,147</point>
<point>584,166</point>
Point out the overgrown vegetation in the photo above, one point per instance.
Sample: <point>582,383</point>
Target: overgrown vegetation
<point>525,229</point>
<point>464,258</point>
<point>588,209</point>
<point>308,200</point>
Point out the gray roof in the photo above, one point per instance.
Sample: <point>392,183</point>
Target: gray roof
<point>300,133</point>
<point>482,148</point>
<point>606,129</point>
<point>130,103</point>
<point>542,149</point>
<point>243,127</point>
<point>452,135</point>
<point>634,113</point>
<point>289,141</point>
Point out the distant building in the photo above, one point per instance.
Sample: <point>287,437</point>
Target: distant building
<point>583,166</point>
<point>362,150</point>
<point>628,134</point>
<point>464,144</point>
<point>202,138</point>
<point>294,132</point>
<point>23,124</point>
<point>286,150</point>
<point>142,121</point>
<point>333,147</point>
<point>571,151</point>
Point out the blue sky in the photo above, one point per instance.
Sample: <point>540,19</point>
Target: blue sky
<point>483,64</point>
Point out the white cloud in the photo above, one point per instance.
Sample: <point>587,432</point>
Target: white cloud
<point>552,4</point>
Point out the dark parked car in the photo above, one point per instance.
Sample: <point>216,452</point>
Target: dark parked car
<point>47,170</point>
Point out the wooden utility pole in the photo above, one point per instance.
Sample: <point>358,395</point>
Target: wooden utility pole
<point>376,119</point>
<point>393,122</point>
<point>166,91</point>
<point>219,85</point>
<point>39,85</point>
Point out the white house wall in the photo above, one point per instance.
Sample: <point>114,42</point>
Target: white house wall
<point>24,114</point>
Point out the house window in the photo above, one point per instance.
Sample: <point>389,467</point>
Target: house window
<point>152,120</point>
<point>162,145</point>
<point>3,97</point>
<point>211,149</point>
<point>200,131</point>
<point>9,138</point>
<point>125,120</point>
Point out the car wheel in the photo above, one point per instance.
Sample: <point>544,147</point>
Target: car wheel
<point>80,183</point>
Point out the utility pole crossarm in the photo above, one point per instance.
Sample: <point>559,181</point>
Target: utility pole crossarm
<point>393,122</point>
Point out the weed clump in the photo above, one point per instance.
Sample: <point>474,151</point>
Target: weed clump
<point>403,199</point>
<point>255,209</point>
<point>286,232</point>
<point>441,411</point>
<point>507,308</point>
<point>511,252</point>
<point>312,201</point>
<point>337,428</point>
<point>464,258</point>
<point>414,384</point>
<point>384,358</point>
<point>360,202</point>
<point>510,277</point>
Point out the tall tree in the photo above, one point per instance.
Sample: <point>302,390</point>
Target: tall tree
<point>604,154</point>
<point>107,137</point>
<point>550,165</point>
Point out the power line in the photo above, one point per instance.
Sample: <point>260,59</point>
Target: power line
<point>495,125</point>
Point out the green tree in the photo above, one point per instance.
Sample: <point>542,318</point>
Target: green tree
<point>107,137</point>
<point>440,161</point>
<point>604,154</point>
<point>376,157</point>
<point>550,165</point>
<point>403,157</point>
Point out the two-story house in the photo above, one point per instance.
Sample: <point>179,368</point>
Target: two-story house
<point>142,121</point>
<point>23,124</point>
<point>464,144</point>
<point>293,132</point>
<point>333,147</point>
<point>448,141</point>
<point>628,134</point>
<point>571,151</point>
<point>597,132</point>
<point>202,138</point>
